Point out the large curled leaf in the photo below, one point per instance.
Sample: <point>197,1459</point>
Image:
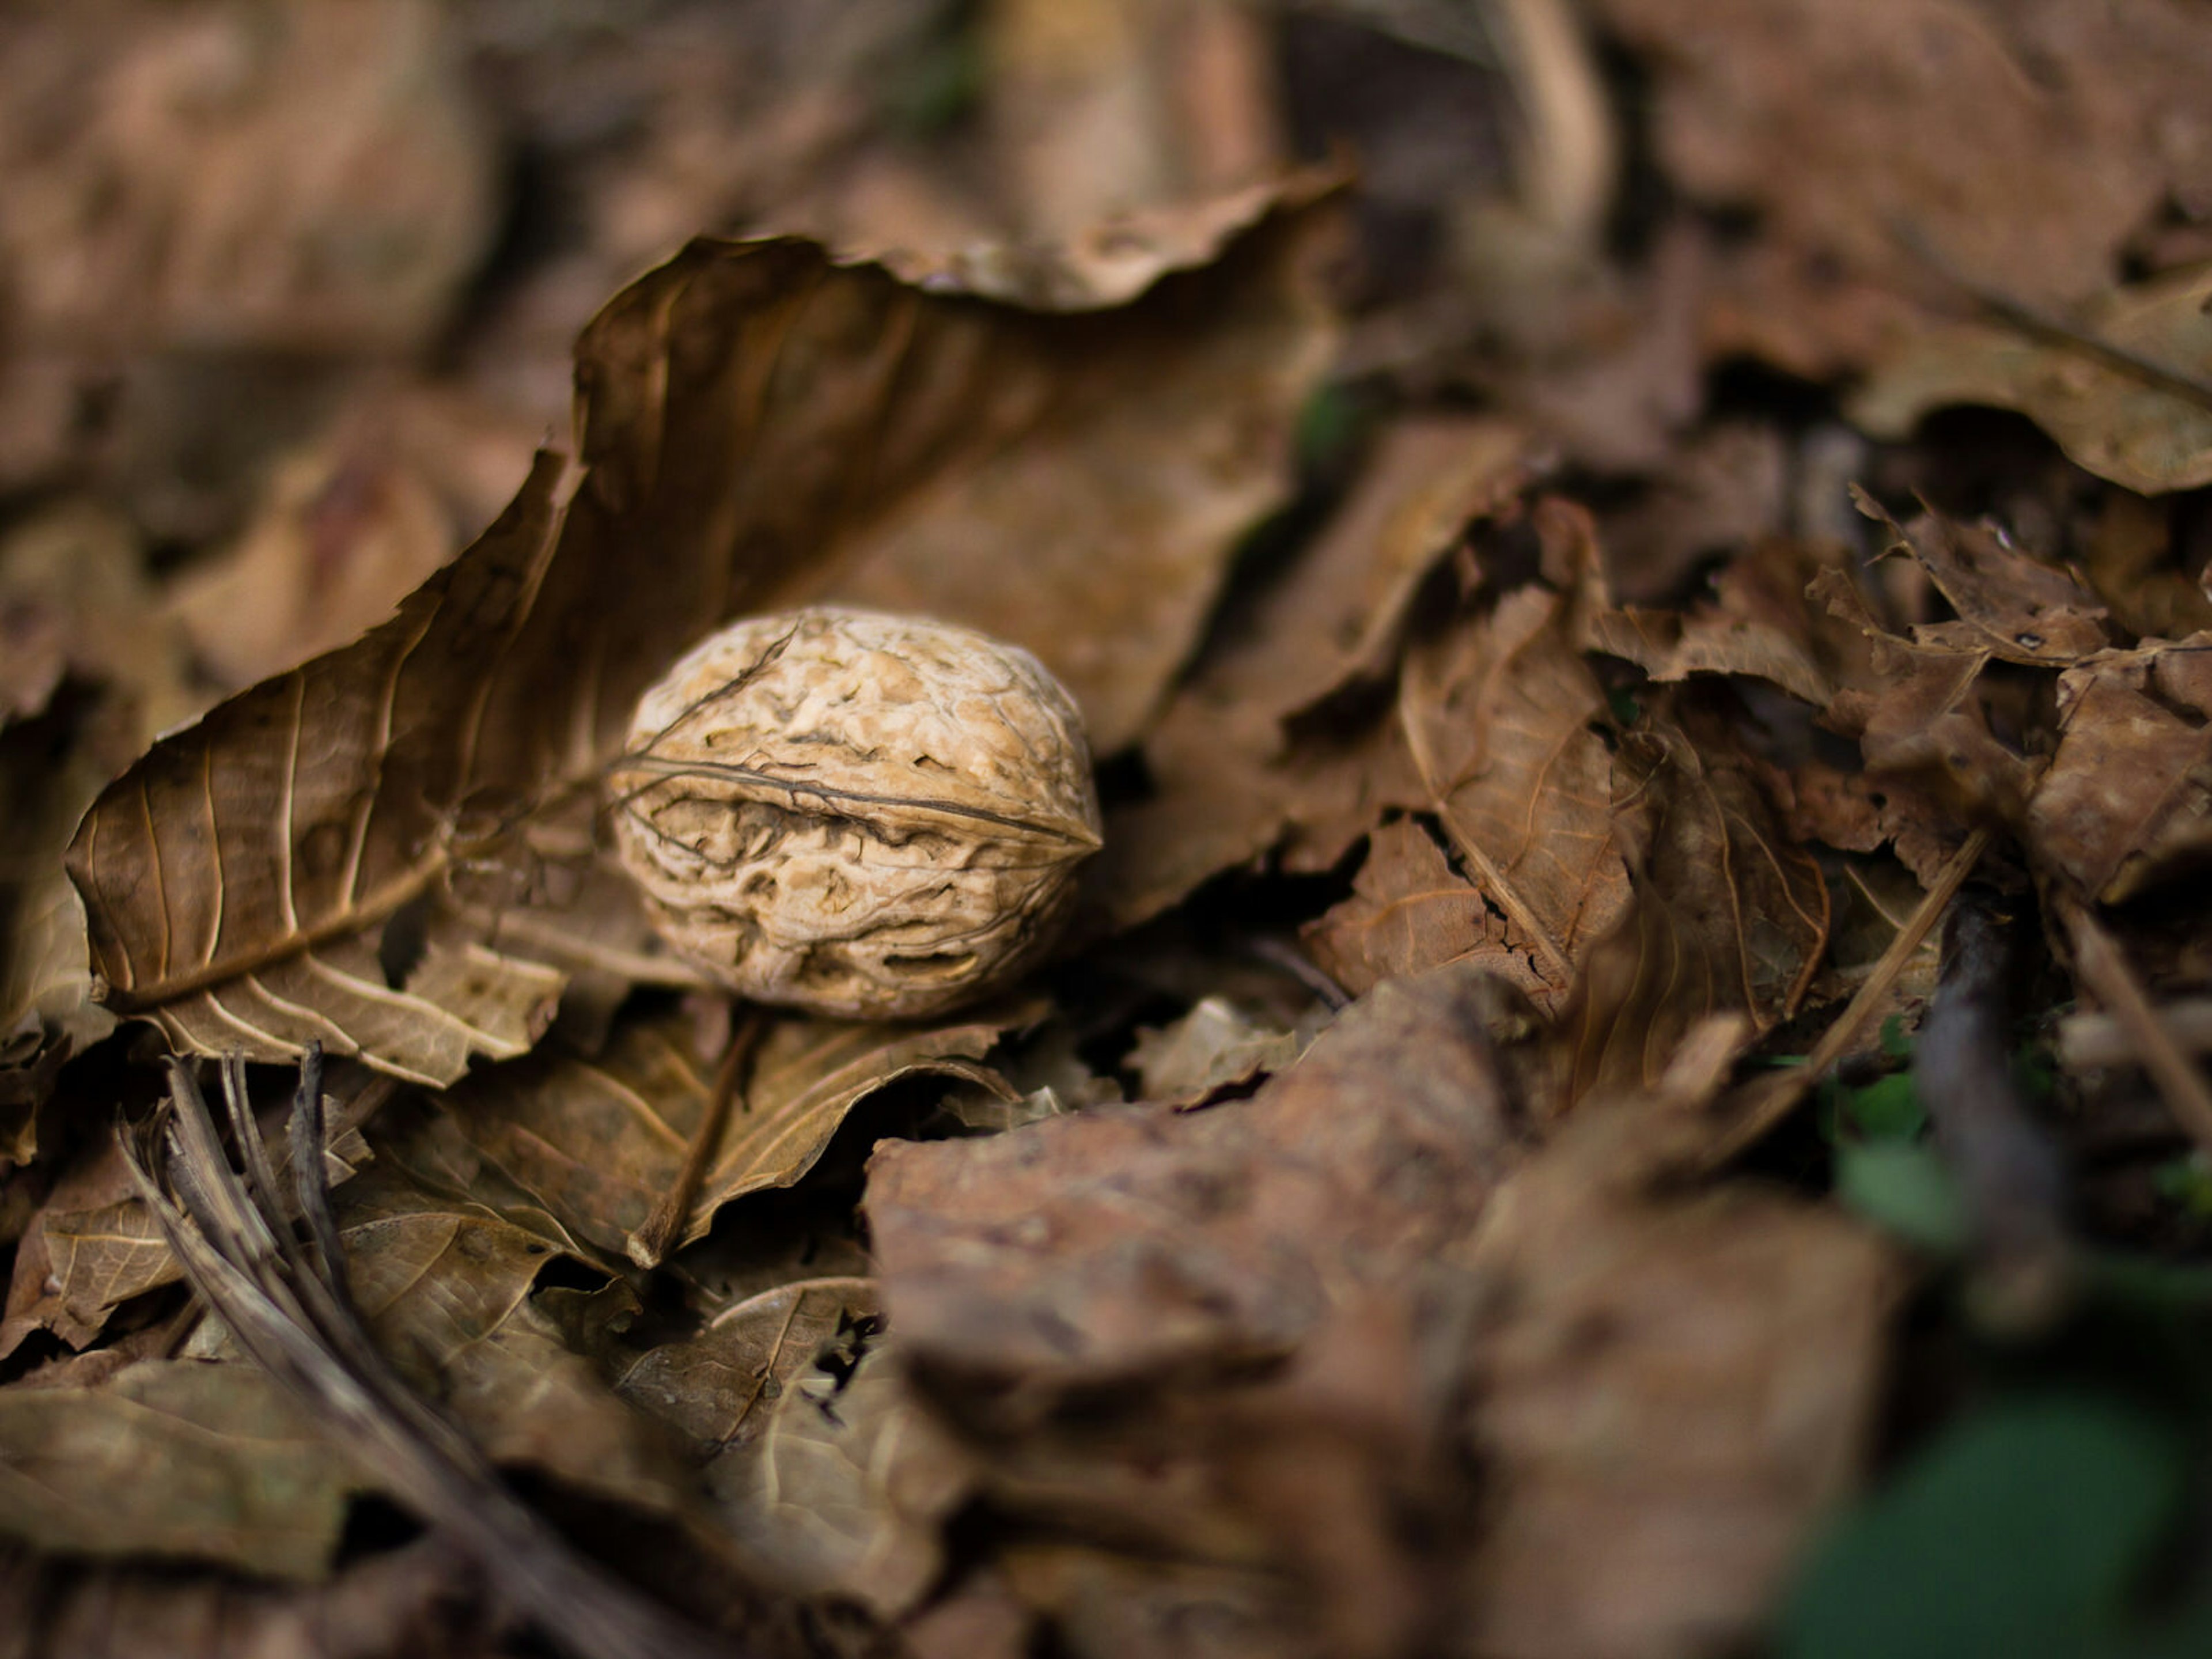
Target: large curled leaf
<point>378,850</point>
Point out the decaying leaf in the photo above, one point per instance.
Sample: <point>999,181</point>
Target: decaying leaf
<point>1229,781</point>
<point>173,1458</point>
<point>1410,910</point>
<point>2127,799</point>
<point>2016,608</point>
<point>598,1140</point>
<point>843,1489</point>
<point>413,1600</point>
<point>1122,1240</point>
<point>2128,400</point>
<point>1503,718</point>
<point>1214,1047</point>
<point>1730,914</point>
<point>717,1388</point>
<point>445,1289</point>
<point>775,425</point>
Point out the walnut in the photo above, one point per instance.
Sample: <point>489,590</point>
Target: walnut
<point>855,813</point>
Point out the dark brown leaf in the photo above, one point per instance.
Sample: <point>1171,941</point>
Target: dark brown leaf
<point>1124,1239</point>
<point>1730,914</point>
<point>716,1388</point>
<point>1229,780</point>
<point>2016,608</point>
<point>1410,911</point>
<point>1501,718</point>
<point>774,426</point>
<point>2127,799</point>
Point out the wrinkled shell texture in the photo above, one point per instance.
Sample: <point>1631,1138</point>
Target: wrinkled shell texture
<point>854,813</point>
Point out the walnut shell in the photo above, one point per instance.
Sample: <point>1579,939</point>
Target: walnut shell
<point>855,813</point>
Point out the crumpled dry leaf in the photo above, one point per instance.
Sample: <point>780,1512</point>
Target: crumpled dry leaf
<point>2146,425</point>
<point>1668,1393</point>
<point>776,427</point>
<point>94,1245</point>
<point>315,178</point>
<point>1503,718</point>
<point>1730,914</point>
<point>2126,801</point>
<point>2026,143</point>
<point>1409,911</point>
<point>1215,1047</point>
<point>843,1490</point>
<point>1757,624</point>
<point>2015,607</point>
<point>175,1458</point>
<point>599,1139</point>
<point>1229,779</point>
<point>444,1287</point>
<point>1122,1240</point>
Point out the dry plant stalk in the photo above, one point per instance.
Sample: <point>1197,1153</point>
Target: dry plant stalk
<point>284,1299</point>
<point>857,814</point>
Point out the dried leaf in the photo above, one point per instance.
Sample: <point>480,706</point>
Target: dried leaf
<point>1730,916</point>
<point>2127,799</point>
<point>416,1599</point>
<point>2128,401</point>
<point>843,1490</point>
<point>2016,608</point>
<point>173,1458</point>
<point>1215,1046</point>
<point>717,1388</point>
<point>2024,144</point>
<point>598,1141</point>
<point>316,180</point>
<point>445,1287</point>
<point>1229,781</point>
<point>1122,1240</point>
<point>774,426</point>
<point>1669,1394</point>
<point>1502,720</point>
<point>1409,911</point>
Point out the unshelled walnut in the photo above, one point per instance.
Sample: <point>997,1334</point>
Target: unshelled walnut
<point>855,813</point>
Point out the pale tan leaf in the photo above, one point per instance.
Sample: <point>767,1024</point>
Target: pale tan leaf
<point>717,1388</point>
<point>175,1458</point>
<point>2145,424</point>
<point>843,1490</point>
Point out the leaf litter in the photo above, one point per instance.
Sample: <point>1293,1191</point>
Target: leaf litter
<point>1432,1201</point>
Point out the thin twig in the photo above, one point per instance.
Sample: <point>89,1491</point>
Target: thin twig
<point>2010,1173</point>
<point>2100,967</point>
<point>284,1301</point>
<point>664,1226</point>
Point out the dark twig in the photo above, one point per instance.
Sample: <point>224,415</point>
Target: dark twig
<point>664,1228</point>
<point>284,1300</point>
<point>2010,1173</point>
